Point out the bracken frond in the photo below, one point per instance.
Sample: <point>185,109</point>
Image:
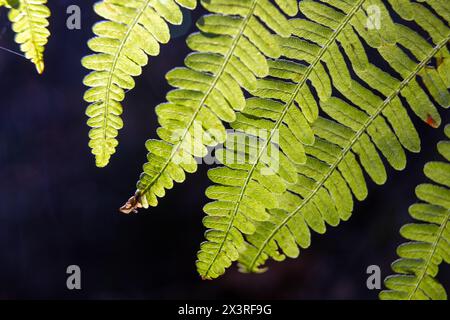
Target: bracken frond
<point>321,167</point>
<point>231,52</point>
<point>429,245</point>
<point>133,30</point>
<point>30,23</point>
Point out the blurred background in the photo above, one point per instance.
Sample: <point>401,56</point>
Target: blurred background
<point>58,209</point>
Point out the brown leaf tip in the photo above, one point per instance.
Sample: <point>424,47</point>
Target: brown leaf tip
<point>431,122</point>
<point>132,205</point>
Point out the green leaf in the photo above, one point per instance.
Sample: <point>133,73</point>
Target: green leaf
<point>30,23</point>
<point>429,245</point>
<point>368,119</point>
<point>132,31</point>
<point>231,52</point>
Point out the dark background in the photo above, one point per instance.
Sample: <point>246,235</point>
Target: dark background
<point>58,209</point>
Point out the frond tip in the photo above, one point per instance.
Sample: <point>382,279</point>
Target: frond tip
<point>133,30</point>
<point>30,23</point>
<point>231,52</point>
<point>133,204</point>
<point>430,237</point>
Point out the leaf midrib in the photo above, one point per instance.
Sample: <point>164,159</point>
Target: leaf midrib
<point>114,65</point>
<point>32,35</point>
<point>203,101</point>
<point>344,152</point>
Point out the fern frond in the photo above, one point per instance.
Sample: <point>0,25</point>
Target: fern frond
<point>30,23</point>
<point>133,30</point>
<point>319,191</point>
<point>230,53</point>
<point>420,258</point>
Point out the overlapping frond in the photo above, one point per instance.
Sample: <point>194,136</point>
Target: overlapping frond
<point>230,53</point>
<point>429,244</point>
<point>132,31</point>
<point>326,53</point>
<point>29,20</point>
